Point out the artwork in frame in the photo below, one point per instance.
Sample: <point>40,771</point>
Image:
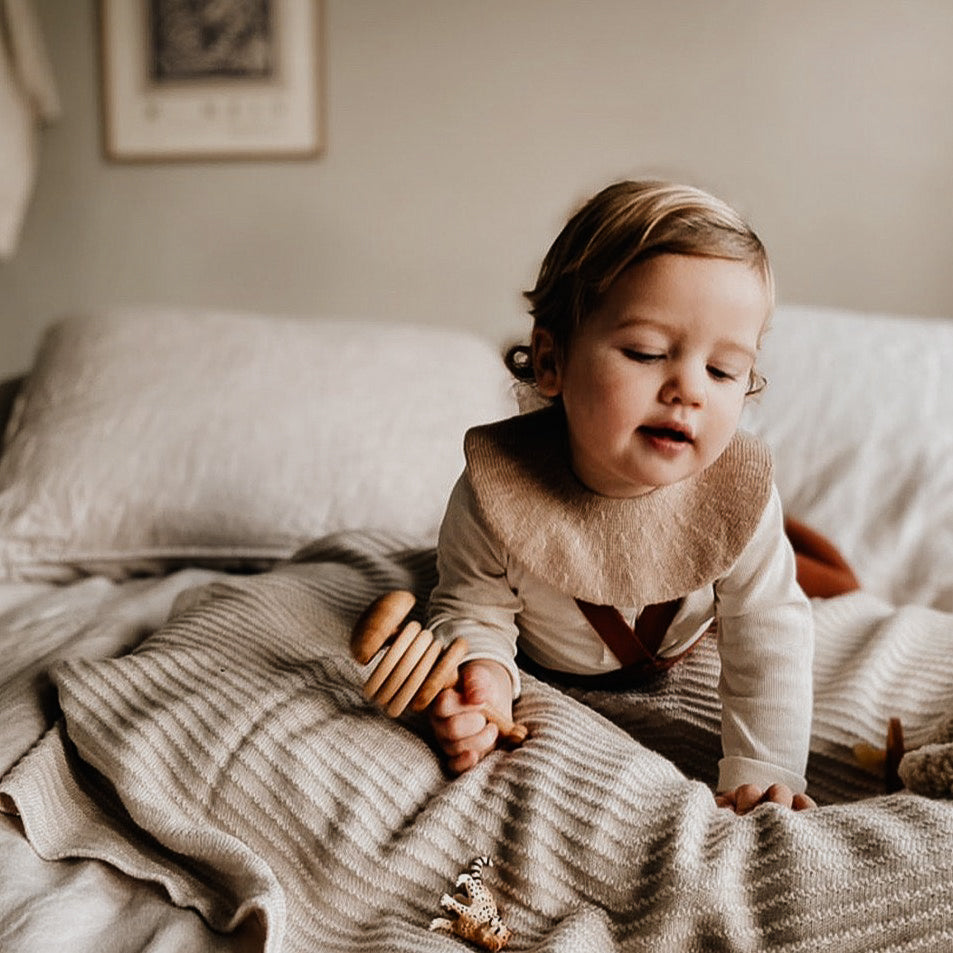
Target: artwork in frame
<point>211,79</point>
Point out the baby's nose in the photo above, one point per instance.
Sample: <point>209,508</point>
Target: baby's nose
<point>686,385</point>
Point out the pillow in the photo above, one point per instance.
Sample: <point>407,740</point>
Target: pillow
<point>857,414</point>
<point>147,439</point>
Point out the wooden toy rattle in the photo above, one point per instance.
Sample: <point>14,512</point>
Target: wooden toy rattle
<point>416,667</point>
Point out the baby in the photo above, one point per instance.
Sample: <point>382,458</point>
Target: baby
<point>603,535</point>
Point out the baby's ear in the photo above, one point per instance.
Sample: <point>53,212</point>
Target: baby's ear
<point>756,383</point>
<point>546,363</point>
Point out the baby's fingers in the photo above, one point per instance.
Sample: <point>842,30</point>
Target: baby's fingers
<point>459,727</point>
<point>463,762</point>
<point>803,802</point>
<point>748,796</point>
<point>462,731</point>
<point>782,794</point>
<point>465,754</point>
<point>447,704</point>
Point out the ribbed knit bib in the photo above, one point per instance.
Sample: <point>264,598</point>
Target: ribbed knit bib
<point>624,552</point>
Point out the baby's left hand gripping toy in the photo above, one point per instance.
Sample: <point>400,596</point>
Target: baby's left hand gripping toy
<point>416,667</point>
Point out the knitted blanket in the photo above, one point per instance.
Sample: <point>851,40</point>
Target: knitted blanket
<point>232,759</point>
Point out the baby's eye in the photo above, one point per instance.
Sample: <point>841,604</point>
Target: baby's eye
<point>719,374</point>
<point>642,357</point>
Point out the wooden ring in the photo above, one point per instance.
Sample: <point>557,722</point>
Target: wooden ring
<point>442,676</point>
<point>394,654</point>
<point>405,665</point>
<point>416,678</point>
<point>378,622</point>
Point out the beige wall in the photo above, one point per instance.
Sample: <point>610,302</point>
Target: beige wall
<point>460,132</point>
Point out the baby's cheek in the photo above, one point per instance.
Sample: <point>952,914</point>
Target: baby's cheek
<point>717,439</point>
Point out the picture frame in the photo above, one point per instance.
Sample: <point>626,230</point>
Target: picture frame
<point>223,79</point>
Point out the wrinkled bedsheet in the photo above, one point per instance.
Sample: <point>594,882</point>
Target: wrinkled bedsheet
<point>229,764</point>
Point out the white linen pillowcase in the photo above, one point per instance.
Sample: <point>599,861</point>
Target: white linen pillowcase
<point>857,415</point>
<point>146,439</point>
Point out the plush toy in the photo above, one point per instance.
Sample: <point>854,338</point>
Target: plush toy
<point>476,916</point>
<point>926,770</point>
<point>416,667</point>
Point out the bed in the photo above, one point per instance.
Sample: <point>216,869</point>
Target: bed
<point>194,508</point>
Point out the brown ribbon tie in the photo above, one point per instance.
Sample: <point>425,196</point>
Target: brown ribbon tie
<point>636,645</point>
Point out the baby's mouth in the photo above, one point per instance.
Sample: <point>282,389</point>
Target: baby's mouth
<point>667,433</point>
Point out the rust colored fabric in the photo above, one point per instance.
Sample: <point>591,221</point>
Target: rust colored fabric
<point>822,571</point>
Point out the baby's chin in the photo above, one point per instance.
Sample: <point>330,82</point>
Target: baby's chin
<point>659,462</point>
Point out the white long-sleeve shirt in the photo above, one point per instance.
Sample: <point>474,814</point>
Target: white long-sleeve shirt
<point>765,634</point>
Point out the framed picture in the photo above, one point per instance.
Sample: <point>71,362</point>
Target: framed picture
<point>211,79</point>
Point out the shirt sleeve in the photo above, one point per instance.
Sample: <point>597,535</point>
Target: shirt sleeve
<point>766,644</point>
<point>473,598</point>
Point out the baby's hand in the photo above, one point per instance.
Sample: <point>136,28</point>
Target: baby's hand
<point>743,798</point>
<point>461,729</point>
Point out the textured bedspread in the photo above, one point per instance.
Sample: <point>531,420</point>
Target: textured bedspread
<point>232,759</point>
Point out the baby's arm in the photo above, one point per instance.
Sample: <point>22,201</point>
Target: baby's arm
<point>473,600</point>
<point>765,637</point>
<point>461,729</point>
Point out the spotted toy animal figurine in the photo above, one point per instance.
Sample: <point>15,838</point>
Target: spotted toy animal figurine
<point>477,918</point>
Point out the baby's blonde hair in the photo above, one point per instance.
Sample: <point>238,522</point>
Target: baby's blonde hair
<point>624,224</point>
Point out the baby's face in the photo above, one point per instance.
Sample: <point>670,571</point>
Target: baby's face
<point>654,380</point>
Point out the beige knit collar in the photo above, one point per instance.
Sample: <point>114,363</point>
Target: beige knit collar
<point>623,552</point>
